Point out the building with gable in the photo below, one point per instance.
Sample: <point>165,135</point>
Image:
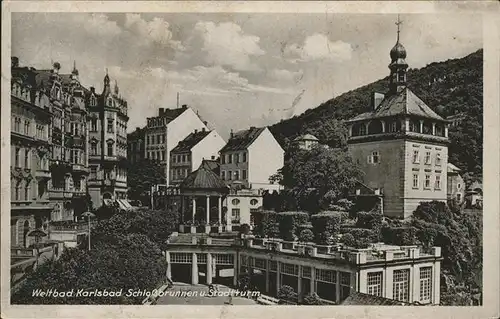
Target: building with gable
<point>189,153</point>
<point>401,144</point>
<point>306,141</point>
<point>165,131</point>
<point>456,184</point>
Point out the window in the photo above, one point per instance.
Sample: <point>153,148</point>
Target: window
<point>110,149</point>
<point>223,159</point>
<point>438,182</point>
<point>244,174</point>
<point>459,197</point>
<point>93,172</point>
<point>158,139</point>
<point>27,191</point>
<point>260,263</point>
<point>93,101</point>
<point>27,127</point>
<point>306,272</point>
<point>438,159</point>
<point>345,285</point>
<point>235,215</point>
<point>201,258</point>
<point>394,127</point>
<point>375,157</point>
<point>158,156</point>
<point>16,161</point>
<point>229,158</point>
<point>375,283</point>
<point>181,258</point>
<point>425,284</point>
<point>427,181</point>
<point>244,157</point>
<point>93,125</point>
<point>236,175</point>
<point>184,158</point>
<point>93,149</point>
<point>459,186</point>
<point>400,284</point>
<point>148,140</point>
<point>237,158</point>
<point>110,126</point>
<point>235,201</point>
<point>27,158</point>
<point>174,158</point>
<point>223,259</point>
<point>163,155</point>
<point>427,158</point>
<point>289,269</point>
<point>229,175</point>
<point>416,158</point>
<point>17,194</point>
<point>362,129</point>
<point>253,202</point>
<point>326,275</point>
<point>415,180</point>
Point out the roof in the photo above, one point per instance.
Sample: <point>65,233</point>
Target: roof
<point>359,299</point>
<point>307,137</point>
<point>402,103</point>
<point>212,165</point>
<point>190,141</point>
<point>476,185</point>
<point>243,139</point>
<point>203,178</point>
<point>364,190</point>
<point>452,168</point>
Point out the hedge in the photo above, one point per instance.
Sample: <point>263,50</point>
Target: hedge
<point>399,235</point>
<point>266,224</point>
<point>361,237</point>
<point>289,223</point>
<point>326,225</point>
<point>369,220</point>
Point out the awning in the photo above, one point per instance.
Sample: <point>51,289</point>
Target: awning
<point>121,205</point>
<point>126,203</point>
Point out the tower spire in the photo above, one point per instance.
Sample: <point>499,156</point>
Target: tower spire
<point>398,23</point>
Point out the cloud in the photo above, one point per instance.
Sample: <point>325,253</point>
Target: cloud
<point>318,47</point>
<point>226,44</point>
<point>286,76</point>
<point>157,30</point>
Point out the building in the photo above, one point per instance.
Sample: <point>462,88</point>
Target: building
<point>187,156</point>
<point>250,157</point>
<point>306,142</point>
<point>405,273</point>
<point>136,146</point>
<point>474,195</point>
<point>456,184</point>
<point>48,149</point>
<point>456,119</point>
<point>165,131</point>
<point>107,143</point>
<point>401,144</point>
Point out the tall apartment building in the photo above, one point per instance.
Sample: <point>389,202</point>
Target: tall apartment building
<point>108,144</point>
<point>136,146</point>
<point>163,132</point>
<point>401,144</point>
<point>48,149</point>
<point>187,156</point>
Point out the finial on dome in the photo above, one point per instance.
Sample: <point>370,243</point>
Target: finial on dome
<point>116,88</point>
<point>75,70</point>
<point>398,23</point>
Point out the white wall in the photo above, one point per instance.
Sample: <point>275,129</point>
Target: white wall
<point>265,158</point>
<point>206,148</point>
<point>177,130</point>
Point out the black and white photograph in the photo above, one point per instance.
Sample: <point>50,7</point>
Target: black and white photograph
<point>226,158</point>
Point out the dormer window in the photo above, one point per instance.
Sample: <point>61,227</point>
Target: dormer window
<point>93,101</point>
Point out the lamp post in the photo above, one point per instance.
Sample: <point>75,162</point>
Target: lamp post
<point>88,215</point>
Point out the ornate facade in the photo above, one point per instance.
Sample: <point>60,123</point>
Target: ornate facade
<point>48,149</point>
<point>107,144</point>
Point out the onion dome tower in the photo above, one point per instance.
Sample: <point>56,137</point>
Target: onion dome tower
<point>398,65</point>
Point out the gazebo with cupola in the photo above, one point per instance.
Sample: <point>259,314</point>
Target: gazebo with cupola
<point>202,193</point>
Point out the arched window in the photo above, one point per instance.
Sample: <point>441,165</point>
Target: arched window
<point>110,148</point>
<point>253,202</point>
<point>235,201</point>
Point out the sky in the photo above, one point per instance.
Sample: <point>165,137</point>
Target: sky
<point>236,69</point>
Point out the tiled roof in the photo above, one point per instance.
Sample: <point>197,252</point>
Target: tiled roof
<point>242,139</point>
<point>402,103</point>
<point>203,178</point>
<point>360,299</point>
<point>172,114</point>
<point>212,165</point>
<point>452,168</point>
<point>190,141</point>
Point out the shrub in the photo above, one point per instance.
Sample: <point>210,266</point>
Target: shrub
<point>325,226</point>
<point>312,299</point>
<point>306,235</point>
<point>266,224</point>
<point>369,220</point>
<point>289,224</point>
<point>362,237</point>
<point>348,240</point>
<point>399,235</point>
<point>287,293</point>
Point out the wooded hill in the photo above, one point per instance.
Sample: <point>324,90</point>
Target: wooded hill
<point>449,87</point>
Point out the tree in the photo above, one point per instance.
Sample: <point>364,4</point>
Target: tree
<point>141,176</point>
<point>319,176</point>
<point>306,235</point>
<point>287,294</point>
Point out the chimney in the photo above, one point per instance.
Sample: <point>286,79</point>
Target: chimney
<point>195,131</point>
<point>205,122</point>
<point>203,129</point>
<point>232,133</point>
<point>92,89</point>
<point>162,111</point>
<point>212,157</point>
<point>184,106</point>
<point>14,61</point>
<point>377,98</point>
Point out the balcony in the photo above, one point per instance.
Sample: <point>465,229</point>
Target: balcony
<point>79,168</point>
<point>81,227</point>
<point>77,142</point>
<point>42,174</point>
<point>60,193</point>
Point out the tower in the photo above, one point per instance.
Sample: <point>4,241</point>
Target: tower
<point>400,144</point>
